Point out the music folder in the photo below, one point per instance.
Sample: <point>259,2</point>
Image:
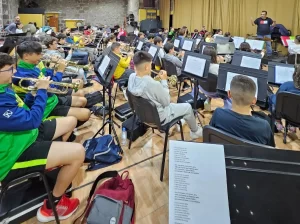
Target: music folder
<point>246,59</point>
<point>195,65</point>
<point>279,73</point>
<point>260,78</point>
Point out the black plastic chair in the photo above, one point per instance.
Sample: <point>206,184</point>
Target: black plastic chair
<point>5,187</point>
<point>292,59</point>
<point>210,84</point>
<point>287,108</point>
<point>146,111</point>
<point>214,135</point>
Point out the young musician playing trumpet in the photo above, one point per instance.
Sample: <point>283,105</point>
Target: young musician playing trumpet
<point>29,145</point>
<point>52,50</point>
<point>141,84</point>
<point>30,54</point>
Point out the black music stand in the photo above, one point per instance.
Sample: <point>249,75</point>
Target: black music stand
<point>272,66</point>
<point>239,55</point>
<point>260,75</point>
<point>196,74</point>
<point>204,44</point>
<point>104,70</point>
<point>263,185</point>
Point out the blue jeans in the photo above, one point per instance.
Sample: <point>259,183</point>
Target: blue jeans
<point>268,43</point>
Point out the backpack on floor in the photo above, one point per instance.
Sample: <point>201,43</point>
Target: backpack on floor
<point>111,202</point>
<point>101,152</point>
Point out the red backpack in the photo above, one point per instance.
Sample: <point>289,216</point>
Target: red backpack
<point>112,202</point>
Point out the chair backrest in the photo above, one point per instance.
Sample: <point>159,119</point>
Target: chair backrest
<point>288,107</point>
<point>145,109</point>
<point>210,84</point>
<point>214,135</point>
<point>169,67</point>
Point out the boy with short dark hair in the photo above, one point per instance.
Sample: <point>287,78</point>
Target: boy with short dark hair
<point>30,54</point>
<point>143,85</point>
<point>238,121</point>
<point>29,145</point>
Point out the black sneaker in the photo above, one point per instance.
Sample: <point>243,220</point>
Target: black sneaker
<point>185,86</point>
<point>89,84</point>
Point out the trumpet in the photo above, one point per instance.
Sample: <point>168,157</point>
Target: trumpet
<point>171,79</point>
<point>32,87</point>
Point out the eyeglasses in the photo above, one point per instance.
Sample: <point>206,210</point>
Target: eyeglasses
<point>7,70</point>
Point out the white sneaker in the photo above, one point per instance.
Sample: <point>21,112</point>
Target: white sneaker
<point>178,126</point>
<point>197,134</point>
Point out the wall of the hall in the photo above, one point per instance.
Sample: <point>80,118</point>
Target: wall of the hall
<point>95,12</point>
<point>8,10</point>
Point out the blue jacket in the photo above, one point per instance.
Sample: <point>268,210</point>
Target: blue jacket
<point>34,73</point>
<point>14,116</point>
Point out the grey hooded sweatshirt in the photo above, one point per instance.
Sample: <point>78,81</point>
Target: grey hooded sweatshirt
<point>158,92</point>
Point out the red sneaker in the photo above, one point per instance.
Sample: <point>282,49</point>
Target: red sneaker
<point>65,208</point>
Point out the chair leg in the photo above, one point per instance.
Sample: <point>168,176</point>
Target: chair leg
<point>179,88</point>
<point>152,130</point>
<point>164,155</point>
<point>285,132</point>
<point>113,106</point>
<point>50,197</point>
<point>181,130</point>
<point>132,126</point>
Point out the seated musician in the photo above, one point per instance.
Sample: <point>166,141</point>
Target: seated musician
<point>141,36</point>
<point>67,32</point>
<point>88,31</point>
<point>227,34</point>
<point>122,71</point>
<point>208,37</point>
<point>53,50</point>
<point>29,145</point>
<point>181,35</point>
<point>203,31</point>
<point>219,32</point>
<point>30,54</point>
<point>295,48</point>
<point>161,54</point>
<point>213,69</point>
<point>169,56</point>
<point>150,40</point>
<point>110,40</point>
<point>246,47</point>
<point>143,85</point>
<point>291,87</point>
<point>238,121</point>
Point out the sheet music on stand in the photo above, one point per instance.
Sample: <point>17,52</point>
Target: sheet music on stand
<point>237,41</point>
<point>198,41</point>
<point>290,42</point>
<point>103,67</point>
<point>176,43</point>
<point>195,66</point>
<point>283,74</point>
<point>249,62</point>
<point>152,51</point>
<point>140,45</point>
<point>231,75</point>
<point>165,41</point>
<point>187,45</point>
<point>256,44</point>
<point>198,185</point>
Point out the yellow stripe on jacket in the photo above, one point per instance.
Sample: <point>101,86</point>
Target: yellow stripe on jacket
<point>122,66</point>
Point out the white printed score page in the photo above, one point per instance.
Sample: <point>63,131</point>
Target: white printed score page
<point>195,66</point>
<point>283,74</point>
<point>197,184</point>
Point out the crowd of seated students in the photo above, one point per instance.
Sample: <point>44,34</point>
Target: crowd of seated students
<point>29,143</point>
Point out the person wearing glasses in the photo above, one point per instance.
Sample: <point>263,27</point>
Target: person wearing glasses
<point>30,145</point>
<point>264,24</point>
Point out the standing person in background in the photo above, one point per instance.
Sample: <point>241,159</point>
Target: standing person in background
<point>11,28</point>
<point>264,24</point>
